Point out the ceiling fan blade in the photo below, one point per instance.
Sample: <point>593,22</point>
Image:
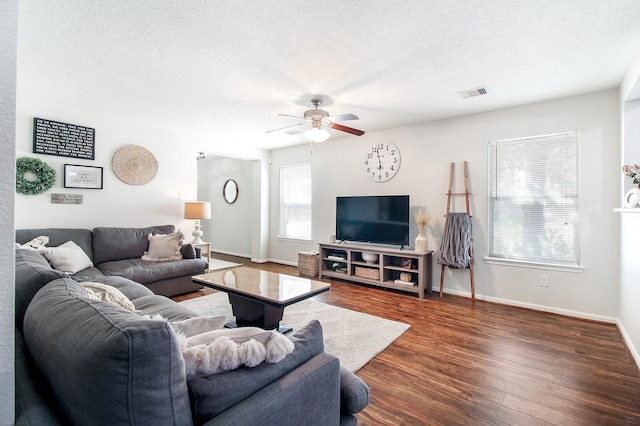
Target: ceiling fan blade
<point>344,117</point>
<point>294,116</point>
<point>347,129</point>
<point>285,127</point>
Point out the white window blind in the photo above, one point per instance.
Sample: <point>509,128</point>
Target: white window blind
<point>533,199</point>
<point>295,202</point>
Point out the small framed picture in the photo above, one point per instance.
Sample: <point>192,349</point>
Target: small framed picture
<point>406,263</point>
<point>88,177</point>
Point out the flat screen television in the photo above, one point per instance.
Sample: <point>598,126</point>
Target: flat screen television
<point>381,219</point>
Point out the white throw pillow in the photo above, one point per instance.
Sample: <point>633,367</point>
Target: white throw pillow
<point>197,325</point>
<point>164,247</point>
<point>67,257</point>
<point>107,293</point>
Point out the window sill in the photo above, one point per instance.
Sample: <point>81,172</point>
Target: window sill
<point>627,210</point>
<point>294,239</point>
<point>533,265</point>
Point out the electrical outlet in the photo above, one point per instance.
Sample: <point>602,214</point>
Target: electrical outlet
<point>544,281</point>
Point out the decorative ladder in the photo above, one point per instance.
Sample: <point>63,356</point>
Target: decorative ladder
<point>466,194</point>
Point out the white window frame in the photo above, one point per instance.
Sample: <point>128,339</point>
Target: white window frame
<point>295,203</point>
<point>546,184</point>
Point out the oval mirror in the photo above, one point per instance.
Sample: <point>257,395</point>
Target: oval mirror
<point>230,191</point>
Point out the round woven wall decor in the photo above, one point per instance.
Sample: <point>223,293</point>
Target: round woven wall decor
<point>134,165</point>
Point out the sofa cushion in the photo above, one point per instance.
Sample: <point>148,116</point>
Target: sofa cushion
<point>34,403</point>
<point>88,274</point>
<point>159,305</point>
<point>106,365</point>
<point>144,272</point>
<point>111,244</point>
<point>68,257</point>
<point>129,288</point>
<point>211,395</point>
<point>32,273</point>
<point>58,236</point>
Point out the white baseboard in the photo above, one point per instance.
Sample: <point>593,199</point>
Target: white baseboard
<point>629,343</point>
<point>282,262</point>
<point>230,253</point>
<point>536,307</point>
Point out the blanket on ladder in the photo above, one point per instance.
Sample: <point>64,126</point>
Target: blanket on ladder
<point>454,246</point>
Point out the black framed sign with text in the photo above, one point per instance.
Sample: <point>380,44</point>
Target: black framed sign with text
<point>62,139</point>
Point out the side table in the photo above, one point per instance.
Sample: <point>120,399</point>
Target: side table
<point>206,250</point>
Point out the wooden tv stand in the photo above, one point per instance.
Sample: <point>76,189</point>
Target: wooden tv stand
<point>345,262</point>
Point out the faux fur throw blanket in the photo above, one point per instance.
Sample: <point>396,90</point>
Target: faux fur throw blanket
<point>218,351</point>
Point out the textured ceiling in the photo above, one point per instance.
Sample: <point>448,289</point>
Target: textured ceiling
<point>225,69</point>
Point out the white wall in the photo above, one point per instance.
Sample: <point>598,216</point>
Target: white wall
<point>8,51</point>
<point>427,150</point>
<point>230,228</point>
<point>118,204</point>
<point>629,314</point>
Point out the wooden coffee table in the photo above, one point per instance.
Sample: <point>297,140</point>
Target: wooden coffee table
<point>258,298</point>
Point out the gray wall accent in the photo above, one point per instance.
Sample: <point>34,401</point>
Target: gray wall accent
<point>8,65</point>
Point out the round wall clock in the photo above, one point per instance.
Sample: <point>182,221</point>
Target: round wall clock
<point>381,161</point>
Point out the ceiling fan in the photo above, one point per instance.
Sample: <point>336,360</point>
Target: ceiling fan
<point>317,118</point>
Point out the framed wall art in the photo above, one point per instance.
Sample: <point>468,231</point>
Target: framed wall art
<point>63,139</point>
<point>88,177</point>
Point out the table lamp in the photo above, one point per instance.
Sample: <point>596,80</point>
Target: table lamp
<point>197,210</point>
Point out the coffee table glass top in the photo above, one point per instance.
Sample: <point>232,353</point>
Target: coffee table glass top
<point>271,287</point>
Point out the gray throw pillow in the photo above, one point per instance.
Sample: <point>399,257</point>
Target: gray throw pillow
<point>211,395</point>
<point>188,251</point>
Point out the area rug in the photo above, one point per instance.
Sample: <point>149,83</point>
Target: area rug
<point>353,337</point>
<point>215,264</point>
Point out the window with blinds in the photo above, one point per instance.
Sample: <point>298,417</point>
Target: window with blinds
<point>295,202</point>
<point>533,199</point>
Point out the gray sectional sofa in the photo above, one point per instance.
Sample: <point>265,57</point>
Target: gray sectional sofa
<point>91,362</point>
<point>119,251</point>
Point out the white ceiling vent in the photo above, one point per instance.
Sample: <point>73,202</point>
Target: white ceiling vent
<point>473,92</point>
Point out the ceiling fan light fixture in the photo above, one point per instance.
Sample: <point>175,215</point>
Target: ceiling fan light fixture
<point>316,134</point>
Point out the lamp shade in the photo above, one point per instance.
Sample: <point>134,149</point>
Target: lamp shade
<point>197,210</point>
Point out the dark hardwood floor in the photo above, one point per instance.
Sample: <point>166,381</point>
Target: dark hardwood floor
<point>488,364</point>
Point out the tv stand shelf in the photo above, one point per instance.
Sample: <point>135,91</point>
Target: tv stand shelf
<point>345,262</point>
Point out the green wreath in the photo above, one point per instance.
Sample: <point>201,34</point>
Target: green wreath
<point>45,176</point>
